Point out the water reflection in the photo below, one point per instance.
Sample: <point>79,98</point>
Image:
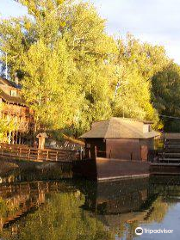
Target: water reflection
<point>80,210</point>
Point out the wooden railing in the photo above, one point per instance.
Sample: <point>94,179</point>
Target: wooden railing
<point>21,152</point>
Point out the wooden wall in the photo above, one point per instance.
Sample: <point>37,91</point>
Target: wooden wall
<point>113,168</point>
<point>127,149</point>
<point>90,145</point>
<point>103,169</point>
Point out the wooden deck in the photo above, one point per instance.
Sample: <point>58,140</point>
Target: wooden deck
<point>22,152</point>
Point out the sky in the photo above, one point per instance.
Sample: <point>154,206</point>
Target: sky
<point>153,21</point>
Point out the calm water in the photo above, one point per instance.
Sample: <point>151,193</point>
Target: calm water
<point>82,210</point>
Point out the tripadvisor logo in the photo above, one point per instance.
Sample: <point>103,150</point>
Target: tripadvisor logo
<point>139,231</point>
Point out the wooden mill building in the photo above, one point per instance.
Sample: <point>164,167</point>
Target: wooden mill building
<point>14,107</point>
<point>120,138</point>
<point>116,148</point>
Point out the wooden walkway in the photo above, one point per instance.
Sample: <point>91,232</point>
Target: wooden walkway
<point>22,152</point>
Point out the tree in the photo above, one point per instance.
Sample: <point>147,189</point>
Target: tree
<point>93,51</point>
<point>47,86</point>
<point>133,98</point>
<point>63,53</point>
<point>136,64</point>
<point>80,73</point>
<point>165,95</point>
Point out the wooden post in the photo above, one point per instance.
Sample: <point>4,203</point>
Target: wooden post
<point>37,154</point>
<point>20,138</point>
<point>89,153</point>
<point>29,151</point>
<point>13,137</point>
<point>19,153</point>
<point>95,152</point>
<point>47,155</point>
<point>42,137</point>
<point>110,153</point>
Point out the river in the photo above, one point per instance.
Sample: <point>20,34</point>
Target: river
<point>83,210</point>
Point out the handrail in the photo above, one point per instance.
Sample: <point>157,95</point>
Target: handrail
<point>28,153</point>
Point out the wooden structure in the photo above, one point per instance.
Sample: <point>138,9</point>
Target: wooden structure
<point>167,160</point>
<point>42,138</point>
<point>22,152</point>
<point>120,138</point>
<point>13,107</point>
<point>116,148</point>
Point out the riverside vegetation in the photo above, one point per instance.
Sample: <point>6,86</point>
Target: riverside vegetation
<point>71,69</point>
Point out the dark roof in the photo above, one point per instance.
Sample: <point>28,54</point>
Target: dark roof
<point>11,99</point>
<point>119,128</point>
<point>8,98</point>
<point>10,83</point>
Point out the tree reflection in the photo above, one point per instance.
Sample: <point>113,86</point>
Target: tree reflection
<point>158,211</point>
<point>60,218</point>
<point>84,210</point>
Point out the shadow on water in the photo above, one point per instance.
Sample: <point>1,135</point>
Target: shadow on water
<point>23,171</point>
<point>79,210</point>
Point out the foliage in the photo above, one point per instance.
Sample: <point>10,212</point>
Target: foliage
<point>136,64</point>
<point>73,72</point>
<point>48,86</point>
<point>6,125</point>
<point>165,94</point>
<point>61,59</point>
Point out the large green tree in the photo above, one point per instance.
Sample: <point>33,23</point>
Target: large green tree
<point>62,53</point>
<point>73,72</point>
<point>49,85</point>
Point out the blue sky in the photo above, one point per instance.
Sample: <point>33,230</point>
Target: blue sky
<point>154,21</point>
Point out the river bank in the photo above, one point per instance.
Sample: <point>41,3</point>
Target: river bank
<point>7,167</point>
<point>28,170</point>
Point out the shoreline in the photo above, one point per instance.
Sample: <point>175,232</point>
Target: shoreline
<point>6,167</point>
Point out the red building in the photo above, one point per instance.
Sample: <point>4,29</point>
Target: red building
<point>120,138</point>
<point>116,148</point>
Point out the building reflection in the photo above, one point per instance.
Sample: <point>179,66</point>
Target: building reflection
<point>118,207</point>
<point>16,200</point>
<point>122,206</point>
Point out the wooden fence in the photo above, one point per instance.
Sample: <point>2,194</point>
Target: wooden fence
<point>21,152</point>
